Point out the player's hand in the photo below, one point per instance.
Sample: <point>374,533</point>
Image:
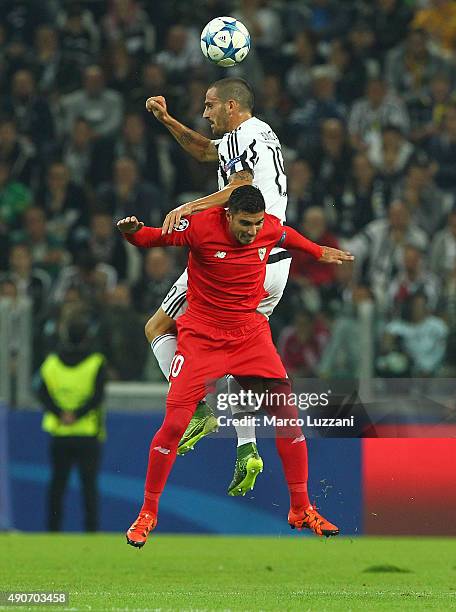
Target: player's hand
<point>129,225</point>
<point>174,216</point>
<point>157,106</point>
<point>336,256</point>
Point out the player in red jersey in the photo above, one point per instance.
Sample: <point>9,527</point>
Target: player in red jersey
<point>222,332</point>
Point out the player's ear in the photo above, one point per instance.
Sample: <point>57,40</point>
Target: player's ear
<point>229,216</point>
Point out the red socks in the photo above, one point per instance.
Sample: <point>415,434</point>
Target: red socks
<point>162,454</point>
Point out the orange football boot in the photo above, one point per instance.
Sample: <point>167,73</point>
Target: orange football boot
<point>311,519</point>
<point>138,532</point>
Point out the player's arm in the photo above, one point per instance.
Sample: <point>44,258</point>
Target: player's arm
<point>291,239</point>
<point>140,235</point>
<point>199,147</point>
<point>219,198</point>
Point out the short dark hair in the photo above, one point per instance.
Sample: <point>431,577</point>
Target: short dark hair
<point>233,88</point>
<point>247,199</point>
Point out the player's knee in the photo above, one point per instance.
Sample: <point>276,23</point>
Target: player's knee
<point>158,325</point>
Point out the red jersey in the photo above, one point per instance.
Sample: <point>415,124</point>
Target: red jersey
<point>225,278</point>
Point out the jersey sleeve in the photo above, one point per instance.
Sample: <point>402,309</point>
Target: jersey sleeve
<point>242,152</point>
<point>148,237</point>
<point>291,239</point>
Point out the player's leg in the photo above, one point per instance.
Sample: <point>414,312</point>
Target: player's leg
<point>290,441</point>
<point>190,370</point>
<point>292,449</point>
<point>247,453</point>
<point>161,334</point>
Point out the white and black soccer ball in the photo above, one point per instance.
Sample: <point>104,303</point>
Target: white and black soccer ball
<point>225,41</point>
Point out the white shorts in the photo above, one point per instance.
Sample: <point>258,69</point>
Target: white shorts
<point>277,270</point>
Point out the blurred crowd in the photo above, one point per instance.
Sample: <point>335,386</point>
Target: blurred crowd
<point>362,96</point>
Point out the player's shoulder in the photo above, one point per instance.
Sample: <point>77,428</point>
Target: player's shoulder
<point>206,220</point>
<point>272,224</point>
<point>255,128</point>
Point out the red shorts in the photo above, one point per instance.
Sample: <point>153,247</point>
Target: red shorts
<point>205,354</point>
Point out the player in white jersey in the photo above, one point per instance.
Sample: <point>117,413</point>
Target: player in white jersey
<point>248,152</point>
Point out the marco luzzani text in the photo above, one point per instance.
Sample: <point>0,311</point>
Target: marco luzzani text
<point>250,401</point>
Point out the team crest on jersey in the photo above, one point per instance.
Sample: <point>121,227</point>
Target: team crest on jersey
<point>220,254</point>
<point>261,253</point>
<point>183,224</point>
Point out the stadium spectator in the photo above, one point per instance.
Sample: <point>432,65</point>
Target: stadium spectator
<point>443,248</point>
<point>374,111</point>
<point>128,193</point>
<point>120,68</point>
<point>80,41</point>
<point>331,158</point>
<point>342,357</point>
<point>181,56</point>
<point>427,204</point>
<point>18,153</point>
<point>101,107</point>
<point>71,391</point>
<point>156,278</point>
<point>301,344</point>
<point>305,269</point>
<point>15,197</point>
<point>389,20</point>
<point>103,242</point>
<point>424,337</point>
<point>379,249</point>
<point>47,251</point>
<point>298,78</point>
<point>126,21</point>
<point>122,335</point>
<point>31,112</point>
<point>134,142</point>
<point>92,280</point>
<point>34,284</point>
<point>411,66</point>
<point>48,60</point>
<point>442,149</point>
<point>361,201</point>
<point>301,191</point>
<point>351,72</point>
<point>321,105</point>
<point>439,20</point>
<point>76,152</point>
<point>411,280</point>
<point>427,110</point>
<point>65,203</point>
<point>391,154</point>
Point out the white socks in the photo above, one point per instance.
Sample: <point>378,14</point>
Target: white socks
<point>164,348</point>
<point>245,432</point>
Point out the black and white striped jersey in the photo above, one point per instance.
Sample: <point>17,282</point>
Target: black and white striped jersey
<point>254,146</point>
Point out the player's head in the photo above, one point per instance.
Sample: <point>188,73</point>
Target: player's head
<point>245,213</point>
<point>228,102</point>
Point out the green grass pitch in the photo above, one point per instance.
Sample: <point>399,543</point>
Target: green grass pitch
<point>101,572</point>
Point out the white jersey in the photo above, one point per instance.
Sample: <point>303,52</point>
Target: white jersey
<point>254,146</point>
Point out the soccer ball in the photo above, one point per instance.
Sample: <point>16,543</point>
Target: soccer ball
<point>225,41</point>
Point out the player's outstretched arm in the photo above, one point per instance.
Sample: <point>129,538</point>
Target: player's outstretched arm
<point>291,239</point>
<point>136,233</point>
<point>129,225</point>
<point>219,198</point>
<point>200,147</point>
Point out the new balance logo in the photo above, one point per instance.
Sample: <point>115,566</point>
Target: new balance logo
<point>220,254</point>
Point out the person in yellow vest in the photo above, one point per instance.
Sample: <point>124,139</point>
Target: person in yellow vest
<point>71,390</point>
